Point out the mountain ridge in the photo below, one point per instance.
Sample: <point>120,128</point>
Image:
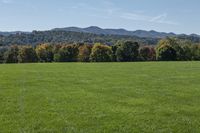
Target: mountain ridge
<point>121,31</point>
<point>109,31</point>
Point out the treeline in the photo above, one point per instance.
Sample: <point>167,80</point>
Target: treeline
<point>169,49</point>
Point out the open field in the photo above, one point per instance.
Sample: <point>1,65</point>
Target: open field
<point>105,97</point>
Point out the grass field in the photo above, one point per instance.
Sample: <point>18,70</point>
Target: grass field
<point>105,97</point>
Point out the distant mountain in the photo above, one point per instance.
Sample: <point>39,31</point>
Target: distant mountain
<point>121,32</point>
<point>138,33</point>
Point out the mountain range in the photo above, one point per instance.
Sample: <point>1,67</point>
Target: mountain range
<point>101,31</point>
<point>138,33</point>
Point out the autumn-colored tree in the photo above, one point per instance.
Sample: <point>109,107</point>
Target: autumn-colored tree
<point>84,53</point>
<point>101,53</point>
<point>147,53</point>
<point>27,54</point>
<point>56,48</point>
<point>45,52</point>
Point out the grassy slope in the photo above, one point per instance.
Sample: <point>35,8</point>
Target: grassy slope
<point>112,97</point>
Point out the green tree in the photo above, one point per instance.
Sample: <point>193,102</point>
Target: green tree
<point>2,51</point>
<point>195,50</point>
<point>10,56</point>
<point>44,52</point>
<point>114,50</point>
<point>176,44</point>
<point>166,53</point>
<point>27,54</point>
<point>67,53</point>
<point>127,51</point>
<point>187,52</point>
<point>101,53</point>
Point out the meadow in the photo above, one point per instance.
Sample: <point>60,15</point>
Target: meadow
<point>100,97</point>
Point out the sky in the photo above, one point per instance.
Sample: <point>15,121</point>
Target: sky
<point>178,16</point>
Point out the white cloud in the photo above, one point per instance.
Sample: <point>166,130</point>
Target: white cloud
<point>162,18</point>
<point>134,16</point>
<point>109,10</point>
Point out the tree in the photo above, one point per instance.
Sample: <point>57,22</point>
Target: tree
<point>84,53</point>
<point>177,45</point>
<point>2,52</point>
<point>166,53</point>
<point>101,53</point>
<point>195,50</point>
<point>10,56</point>
<point>147,53</point>
<point>67,53</point>
<point>114,50</point>
<point>127,51</point>
<point>56,48</point>
<point>27,54</point>
<point>44,53</point>
<point>187,52</point>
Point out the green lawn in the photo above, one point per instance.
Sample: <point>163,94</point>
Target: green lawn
<point>152,97</point>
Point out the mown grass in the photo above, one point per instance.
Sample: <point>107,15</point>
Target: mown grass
<point>100,97</point>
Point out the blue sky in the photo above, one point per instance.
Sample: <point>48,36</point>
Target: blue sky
<point>179,16</point>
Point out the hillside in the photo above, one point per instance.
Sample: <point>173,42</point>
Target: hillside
<point>52,36</point>
<point>88,35</point>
